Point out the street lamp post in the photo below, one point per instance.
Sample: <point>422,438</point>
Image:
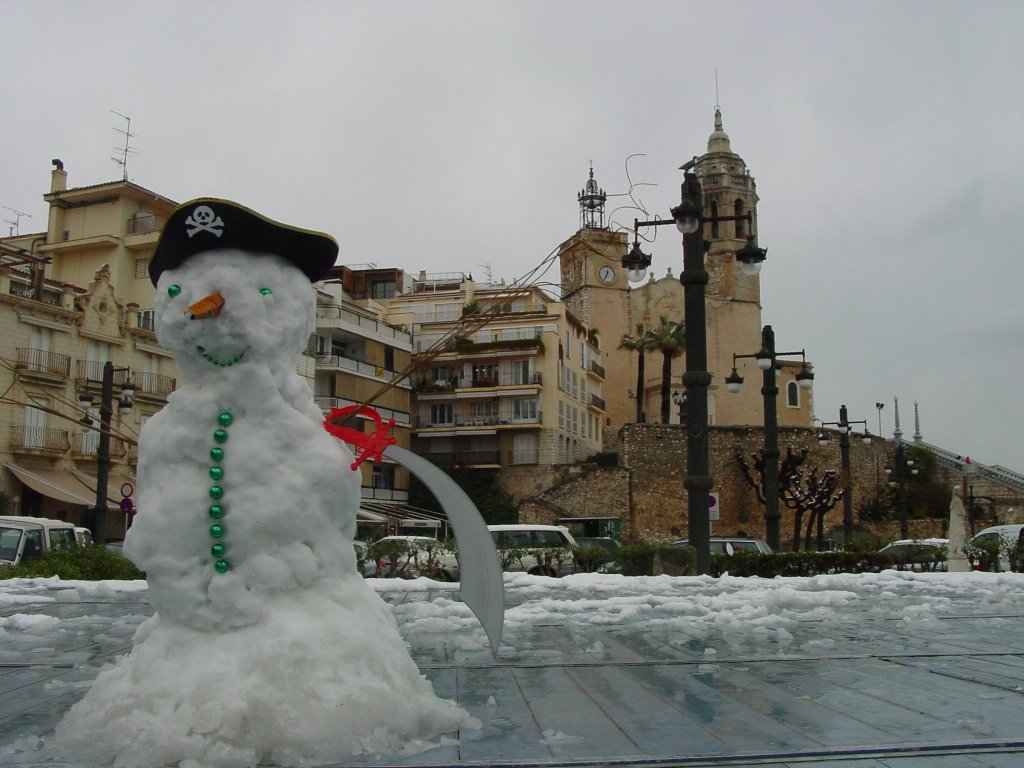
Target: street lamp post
<point>679,398</point>
<point>688,217</point>
<point>766,360</point>
<point>99,512</point>
<point>843,426</point>
<point>904,465</point>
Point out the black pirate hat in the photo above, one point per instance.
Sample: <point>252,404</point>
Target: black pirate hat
<point>208,223</point>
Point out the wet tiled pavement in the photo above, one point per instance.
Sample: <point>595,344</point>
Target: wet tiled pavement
<point>860,686</point>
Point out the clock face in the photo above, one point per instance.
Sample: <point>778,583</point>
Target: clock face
<point>607,274</point>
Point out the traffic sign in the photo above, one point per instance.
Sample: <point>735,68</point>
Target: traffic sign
<point>126,505</point>
<point>127,489</point>
<point>714,512</point>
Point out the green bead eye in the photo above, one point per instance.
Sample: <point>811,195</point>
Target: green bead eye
<point>173,290</point>
<point>266,291</point>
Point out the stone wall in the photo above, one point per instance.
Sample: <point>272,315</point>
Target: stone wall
<point>647,493</point>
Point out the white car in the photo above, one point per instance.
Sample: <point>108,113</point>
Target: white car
<point>730,545</point>
<point>541,550</point>
<point>1002,538</point>
<point>407,557</point>
<point>29,538</point>
<point>918,554</point>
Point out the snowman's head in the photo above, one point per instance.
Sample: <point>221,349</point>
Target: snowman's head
<point>228,308</point>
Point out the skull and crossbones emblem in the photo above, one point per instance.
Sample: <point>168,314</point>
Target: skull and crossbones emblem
<point>203,219</point>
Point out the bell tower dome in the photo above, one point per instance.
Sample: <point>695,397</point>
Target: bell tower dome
<point>729,190</point>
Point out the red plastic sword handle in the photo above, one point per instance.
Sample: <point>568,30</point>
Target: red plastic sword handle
<point>373,443</point>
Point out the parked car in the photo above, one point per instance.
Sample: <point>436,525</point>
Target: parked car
<point>541,550</point>
<point>29,538</point>
<point>588,545</point>
<point>918,554</point>
<point>408,557</point>
<point>729,545</point>
<point>999,541</point>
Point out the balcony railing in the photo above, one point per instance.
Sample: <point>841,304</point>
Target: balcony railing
<point>597,368</point>
<point>338,312</point>
<point>358,366</point>
<point>330,403</point>
<point>39,438</point>
<point>43,361</point>
<point>384,494</point>
<point>597,402</point>
<point>92,370</point>
<point>26,291</point>
<point>153,383</point>
<point>87,444</point>
<point>426,385</point>
<point>465,420</point>
<point>144,222</point>
<point>464,458</point>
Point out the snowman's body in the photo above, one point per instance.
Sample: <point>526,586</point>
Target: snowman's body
<point>266,643</point>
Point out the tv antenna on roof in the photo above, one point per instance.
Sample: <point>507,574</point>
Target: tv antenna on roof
<point>16,221</point>
<point>126,150</point>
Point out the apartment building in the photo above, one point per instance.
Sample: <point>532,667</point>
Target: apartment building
<point>503,375</point>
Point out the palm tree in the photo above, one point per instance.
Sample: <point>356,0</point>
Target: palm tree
<point>669,338</point>
<point>639,343</point>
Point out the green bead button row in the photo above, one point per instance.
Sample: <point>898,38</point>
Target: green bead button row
<point>222,363</point>
<point>217,509</point>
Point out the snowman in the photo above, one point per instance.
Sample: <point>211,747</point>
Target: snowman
<point>266,645</point>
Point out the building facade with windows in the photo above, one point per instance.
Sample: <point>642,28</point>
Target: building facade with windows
<point>79,295</point>
<point>504,376</point>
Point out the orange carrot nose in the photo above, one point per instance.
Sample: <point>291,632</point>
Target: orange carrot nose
<point>209,306</point>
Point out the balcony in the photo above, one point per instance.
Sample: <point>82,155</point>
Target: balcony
<point>596,402</point>
<point>144,223</point>
<point>596,368</point>
<point>147,383</point>
<point>85,445</point>
<point>465,458</point>
<point>339,363</point>
<point>347,316</point>
<point>92,371</point>
<point>25,290</point>
<point>328,404</point>
<point>38,440</point>
<point>43,363</point>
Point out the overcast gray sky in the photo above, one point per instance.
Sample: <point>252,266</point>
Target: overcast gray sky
<point>885,137</point>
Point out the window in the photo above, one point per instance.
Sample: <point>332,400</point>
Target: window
<point>442,413</point>
<point>714,219</point>
<point>382,289</point>
<point>389,358</point>
<point>33,549</point>
<point>383,476</point>
<point>525,409</point>
<point>142,269</point>
<point>448,312</point>
<point>793,394</point>
<point>739,222</point>
<point>62,538</point>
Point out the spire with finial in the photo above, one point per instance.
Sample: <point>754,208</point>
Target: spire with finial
<point>592,199</point>
<point>917,424</point>
<point>897,433</point>
<point>719,140</point>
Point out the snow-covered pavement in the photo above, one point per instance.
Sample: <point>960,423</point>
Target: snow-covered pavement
<point>872,670</point>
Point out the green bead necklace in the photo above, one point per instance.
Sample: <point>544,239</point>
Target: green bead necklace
<point>217,509</point>
<point>217,361</point>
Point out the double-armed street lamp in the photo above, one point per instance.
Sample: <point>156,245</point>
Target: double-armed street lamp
<point>766,360</point>
<point>679,398</point>
<point>904,467</point>
<point>843,427</point>
<point>127,399</point>
<point>688,217</point>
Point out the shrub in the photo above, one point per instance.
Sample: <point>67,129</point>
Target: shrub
<point>92,562</point>
<point>590,559</point>
<point>676,560</point>
<point>636,559</point>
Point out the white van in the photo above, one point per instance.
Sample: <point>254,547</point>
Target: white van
<point>28,538</point>
<point>1000,538</point>
<point>541,550</point>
